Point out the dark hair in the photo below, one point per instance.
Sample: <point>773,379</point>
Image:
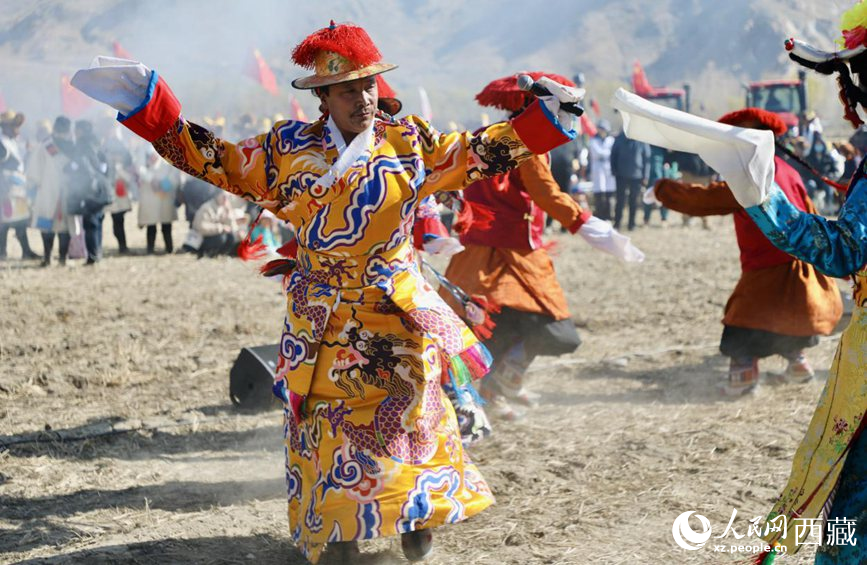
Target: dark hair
<point>319,91</point>
<point>84,126</point>
<point>61,125</point>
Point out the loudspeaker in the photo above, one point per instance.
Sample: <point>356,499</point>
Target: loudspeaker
<point>252,377</point>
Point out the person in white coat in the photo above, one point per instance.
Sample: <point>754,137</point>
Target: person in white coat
<point>14,205</point>
<point>604,185</point>
<point>158,186</point>
<point>217,222</point>
<point>124,181</point>
<point>47,174</point>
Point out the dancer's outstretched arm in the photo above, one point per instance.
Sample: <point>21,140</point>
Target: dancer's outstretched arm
<point>545,192</point>
<point>148,107</point>
<point>836,248</point>
<point>714,199</point>
<point>454,160</point>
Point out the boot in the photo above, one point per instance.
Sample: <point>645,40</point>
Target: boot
<point>797,372</point>
<point>743,377</point>
<point>417,545</point>
<point>342,553</point>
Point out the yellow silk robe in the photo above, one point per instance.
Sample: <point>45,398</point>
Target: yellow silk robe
<point>372,443</point>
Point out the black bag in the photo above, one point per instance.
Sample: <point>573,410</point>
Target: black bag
<point>88,191</point>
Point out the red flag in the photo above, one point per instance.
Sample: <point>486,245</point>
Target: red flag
<point>640,84</point>
<point>587,126</point>
<point>261,73</point>
<point>120,52</point>
<point>72,101</point>
<point>594,105</point>
<point>297,111</point>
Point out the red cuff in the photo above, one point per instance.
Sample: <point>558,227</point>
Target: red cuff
<point>427,228</point>
<point>157,116</point>
<point>582,219</point>
<point>539,130</point>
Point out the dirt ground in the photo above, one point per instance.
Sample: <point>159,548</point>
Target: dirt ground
<point>630,433</point>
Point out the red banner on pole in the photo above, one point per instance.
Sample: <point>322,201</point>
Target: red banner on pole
<point>120,52</point>
<point>297,111</point>
<point>262,73</point>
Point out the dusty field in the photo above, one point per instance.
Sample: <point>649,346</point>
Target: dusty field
<point>630,433</point>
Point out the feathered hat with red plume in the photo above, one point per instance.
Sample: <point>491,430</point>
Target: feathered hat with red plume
<point>504,93</point>
<point>337,53</point>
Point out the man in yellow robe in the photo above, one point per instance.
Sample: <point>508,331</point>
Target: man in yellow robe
<point>372,446</point>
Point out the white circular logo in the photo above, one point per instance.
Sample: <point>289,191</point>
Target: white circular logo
<point>685,536</point>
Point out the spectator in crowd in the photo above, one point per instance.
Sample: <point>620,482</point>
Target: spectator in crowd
<point>43,130</point>
<point>123,182</point>
<point>158,184</point>
<point>851,157</point>
<point>659,168</point>
<point>194,193</point>
<point>46,174</point>
<point>265,229</point>
<point>14,205</point>
<point>563,159</point>
<point>630,165</point>
<point>600,170</point>
<point>217,222</point>
<point>91,167</point>
<point>812,126</point>
<point>562,164</point>
<point>828,163</point>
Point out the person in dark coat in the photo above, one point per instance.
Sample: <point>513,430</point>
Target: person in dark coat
<point>630,164</point>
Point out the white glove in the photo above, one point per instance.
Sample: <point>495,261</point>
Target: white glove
<point>560,94</point>
<point>601,235</point>
<point>120,83</point>
<point>649,197</point>
<point>444,246</point>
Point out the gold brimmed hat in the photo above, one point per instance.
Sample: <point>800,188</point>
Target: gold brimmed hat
<point>10,118</point>
<point>337,53</point>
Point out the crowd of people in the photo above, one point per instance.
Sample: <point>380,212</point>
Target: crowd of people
<point>65,177</point>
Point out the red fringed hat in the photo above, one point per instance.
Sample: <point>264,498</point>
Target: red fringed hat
<point>504,93</point>
<point>768,120</point>
<point>337,53</point>
<point>388,101</point>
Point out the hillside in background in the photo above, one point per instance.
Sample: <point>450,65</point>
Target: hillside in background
<point>452,48</point>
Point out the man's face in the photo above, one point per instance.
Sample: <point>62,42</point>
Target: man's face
<point>352,104</point>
